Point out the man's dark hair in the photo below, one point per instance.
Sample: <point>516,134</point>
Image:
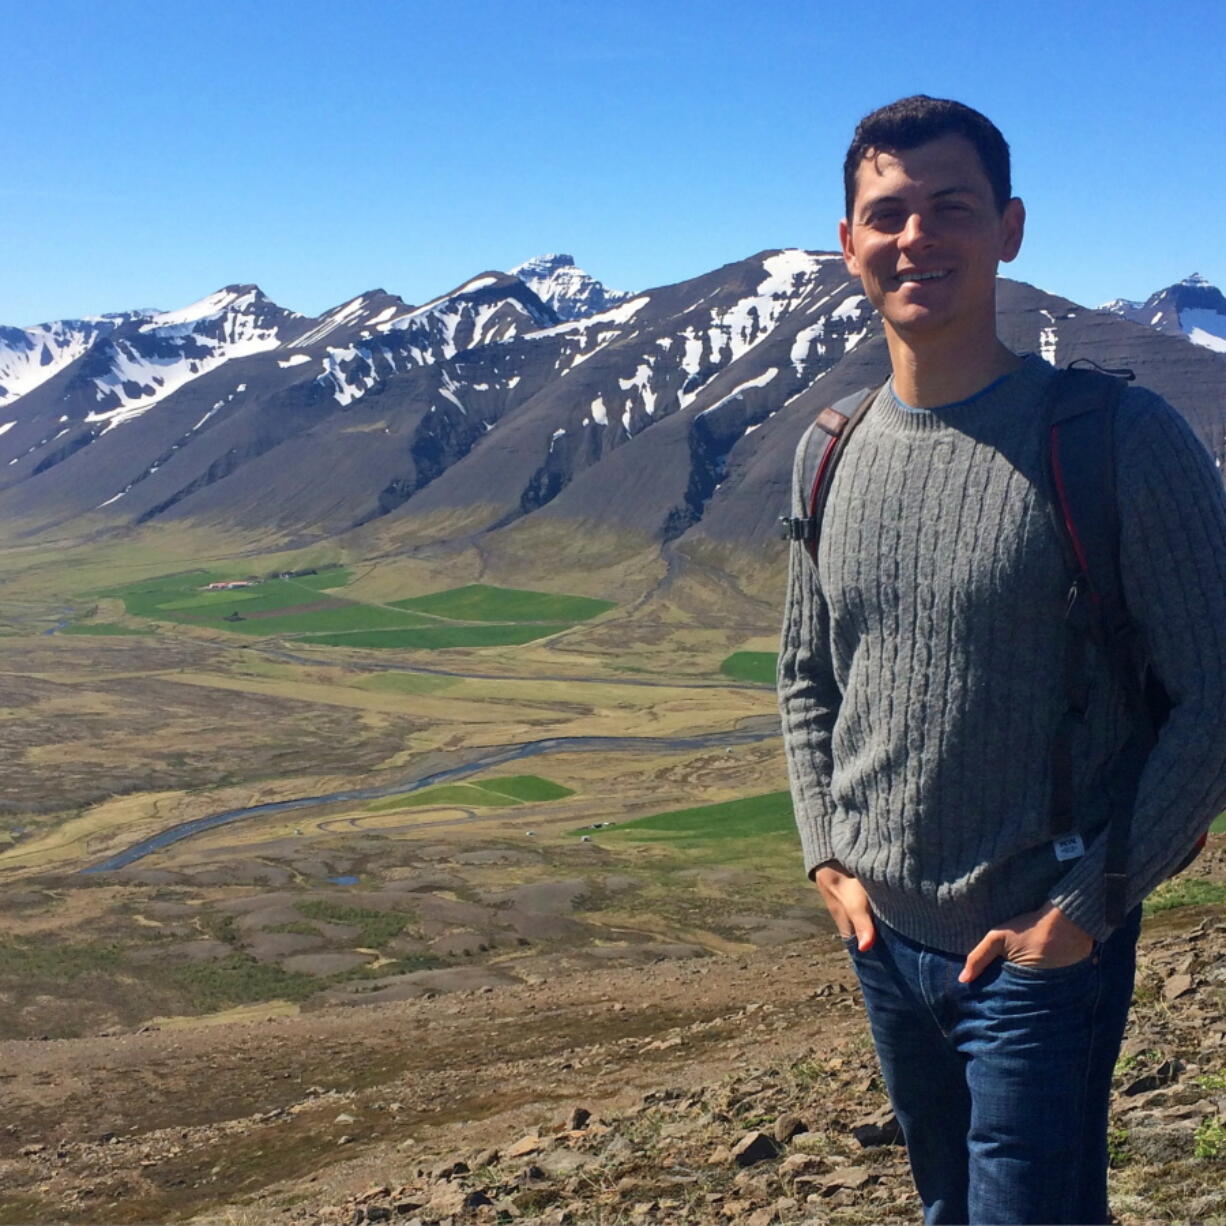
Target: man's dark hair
<point>917,120</point>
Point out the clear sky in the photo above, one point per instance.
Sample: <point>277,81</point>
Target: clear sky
<point>153,152</point>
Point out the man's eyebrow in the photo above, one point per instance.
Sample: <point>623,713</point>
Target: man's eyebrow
<point>956,190</point>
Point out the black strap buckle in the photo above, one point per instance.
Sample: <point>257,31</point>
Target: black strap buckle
<point>793,528</point>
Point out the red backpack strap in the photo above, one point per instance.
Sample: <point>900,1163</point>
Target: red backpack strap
<point>834,424</point>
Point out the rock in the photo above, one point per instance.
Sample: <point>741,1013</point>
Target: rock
<point>1177,986</point>
<point>620,1147</point>
<point>1155,1141</point>
<point>721,1155</point>
<point>800,1164</point>
<point>378,1213</point>
<point>762,1217</point>
<point>450,1200</point>
<point>346,1140</point>
<point>531,1144</point>
<point>853,1177</point>
<point>754,1147</point>
<point>1163,1075</point>
<point>565,1161</point>
<point>484,1157</point>
<point>788,1126</point>
<point>450,1170</point>
<point>577,1119</point>
<point>809,1143</point>
<point>882,1128</point>
<point>372,1193</point>
<point>735,1209</point>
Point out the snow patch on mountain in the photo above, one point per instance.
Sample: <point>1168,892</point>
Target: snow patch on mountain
<point>1204,327</point>
<point>234,298</point>
<point>761,381</point>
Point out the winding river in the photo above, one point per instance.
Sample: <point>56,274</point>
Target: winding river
<point>757,728</point>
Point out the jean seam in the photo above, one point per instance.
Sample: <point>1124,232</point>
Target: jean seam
<point>1083,1104</point>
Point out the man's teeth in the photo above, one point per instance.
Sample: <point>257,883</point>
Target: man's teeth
<point>923,276</point>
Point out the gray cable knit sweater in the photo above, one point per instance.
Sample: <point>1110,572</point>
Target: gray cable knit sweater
<point>920,672</point>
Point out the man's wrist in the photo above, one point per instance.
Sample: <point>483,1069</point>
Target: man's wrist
<point>834,864</point>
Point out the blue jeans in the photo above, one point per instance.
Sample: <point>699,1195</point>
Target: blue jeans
<point>1001,1085</point>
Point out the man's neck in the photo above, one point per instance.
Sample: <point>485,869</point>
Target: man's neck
<point>938,372</point>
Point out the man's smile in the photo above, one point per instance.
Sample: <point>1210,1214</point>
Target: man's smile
<point>934,275</point>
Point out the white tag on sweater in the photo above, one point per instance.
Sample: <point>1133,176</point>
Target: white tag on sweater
<point>1069,847</point>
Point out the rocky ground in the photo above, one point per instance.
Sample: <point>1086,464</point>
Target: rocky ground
<point>734,1088</point>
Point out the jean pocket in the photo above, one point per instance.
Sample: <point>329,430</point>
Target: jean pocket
<point>1053,972</point>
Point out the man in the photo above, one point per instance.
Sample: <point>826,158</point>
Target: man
<point>920,679</point>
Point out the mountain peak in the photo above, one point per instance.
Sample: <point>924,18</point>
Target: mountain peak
<point>560,283</point>
<point>1193,307</point>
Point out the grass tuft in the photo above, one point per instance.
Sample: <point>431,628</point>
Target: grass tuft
<point>1184,892</point>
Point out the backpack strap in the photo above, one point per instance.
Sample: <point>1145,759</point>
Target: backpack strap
<point>835,425</point>
<point>1080,430</point>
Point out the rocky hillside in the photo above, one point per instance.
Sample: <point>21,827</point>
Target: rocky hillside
<point>737,1088</point>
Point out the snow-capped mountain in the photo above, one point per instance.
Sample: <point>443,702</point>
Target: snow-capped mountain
<point>571,292</point>
<point>31,356</point>
<point>1193,308</point>
<point>669,414</point>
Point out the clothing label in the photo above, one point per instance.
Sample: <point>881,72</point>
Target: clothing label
<point>1069,847</point>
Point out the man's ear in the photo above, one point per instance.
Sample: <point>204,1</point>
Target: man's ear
<point>1013,223</point>
<point>849,252</point>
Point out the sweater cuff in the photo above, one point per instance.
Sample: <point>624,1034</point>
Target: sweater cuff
<point>815,843</point>
<point>1081,893</point>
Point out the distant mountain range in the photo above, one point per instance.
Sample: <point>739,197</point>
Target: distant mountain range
<point>533,395</point>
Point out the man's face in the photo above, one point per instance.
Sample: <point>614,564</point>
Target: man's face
<point>925,239</point>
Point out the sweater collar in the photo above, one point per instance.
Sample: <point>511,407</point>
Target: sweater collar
<point>1024,385</point>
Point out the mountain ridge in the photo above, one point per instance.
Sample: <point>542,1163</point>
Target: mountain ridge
<point>671,413</point>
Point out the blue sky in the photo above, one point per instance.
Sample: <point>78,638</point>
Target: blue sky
<point>154,152</point>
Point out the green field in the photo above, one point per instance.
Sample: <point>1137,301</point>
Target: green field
<point>179,598</point>
<point>408,683</point>
<point>441,636</point>
<point>503,616</point>
<point>751,666</point>
<point>489,793</point>
<point>748,817</point>
<point>338,619</point>
<point>526,787</point>
<point>479,602</point>
<point>106,628</point>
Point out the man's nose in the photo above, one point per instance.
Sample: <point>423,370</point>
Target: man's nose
<point>916,230</point>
